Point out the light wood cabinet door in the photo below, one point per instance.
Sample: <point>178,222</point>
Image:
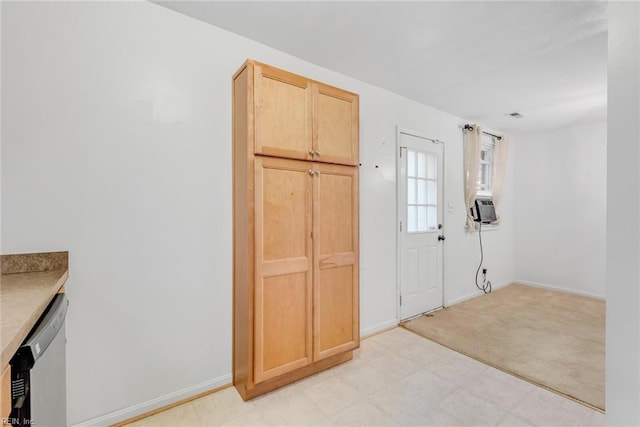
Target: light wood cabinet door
<point>335,125</point>
<point>336,270</point>
<point>283,269</point>
<point>5,393</point>
<point>283,113</point>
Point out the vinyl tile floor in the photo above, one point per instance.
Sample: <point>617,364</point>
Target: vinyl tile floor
<point>395,378</point>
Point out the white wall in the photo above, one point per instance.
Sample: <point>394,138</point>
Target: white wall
<point>117,147</point>
<point>462,250</point>
<point>561,208</point>
<point>623,229</point>
<point>1,102</point>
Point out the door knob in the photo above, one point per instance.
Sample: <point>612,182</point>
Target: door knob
<point>317,152</point>
<point>440,237</point>
<point>310,172</point>
<point>311,153</point>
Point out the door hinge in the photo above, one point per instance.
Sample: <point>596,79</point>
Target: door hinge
<point>400,299</point>
<point>400,225</point>
<point>401,152</point>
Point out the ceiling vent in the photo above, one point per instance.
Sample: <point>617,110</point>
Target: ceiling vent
<point>515,115</point>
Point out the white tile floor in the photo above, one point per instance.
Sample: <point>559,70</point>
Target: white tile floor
<point>396,378</point>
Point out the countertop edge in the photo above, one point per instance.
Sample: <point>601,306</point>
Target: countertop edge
<point>12,346</point>
<point>34,262</point>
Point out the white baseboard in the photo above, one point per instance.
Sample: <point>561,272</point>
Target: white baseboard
<point>476,293</point>
<point>380,327</point>
<point>559,289</point>
<point>159,402</point>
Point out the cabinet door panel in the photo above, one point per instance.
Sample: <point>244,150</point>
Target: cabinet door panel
<point>285,210</point>
<point>335,311</point>
<point>335,136</point>
<point>336,300</point>
<point>284,320</point>
<point>336,215</point>
<point>283,280</point>
<point>283,107</point>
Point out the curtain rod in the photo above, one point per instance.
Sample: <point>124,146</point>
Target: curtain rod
<point>469,127</point>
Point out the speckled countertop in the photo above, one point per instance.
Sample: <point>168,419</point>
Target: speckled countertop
<point>27,285</point>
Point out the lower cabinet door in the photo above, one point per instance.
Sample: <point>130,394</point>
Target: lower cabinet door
<point>283,294</point>
<point>336,267</point>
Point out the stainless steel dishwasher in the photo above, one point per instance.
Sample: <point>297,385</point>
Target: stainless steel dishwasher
<point>38,371</point>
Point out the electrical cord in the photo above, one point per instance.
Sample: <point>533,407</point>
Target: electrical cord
<point>486,284</point>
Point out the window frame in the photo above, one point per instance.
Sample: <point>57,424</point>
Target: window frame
<point>488,145</point>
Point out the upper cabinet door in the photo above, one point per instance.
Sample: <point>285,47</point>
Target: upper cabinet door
<point>335,125</point>
<point>283,113</point>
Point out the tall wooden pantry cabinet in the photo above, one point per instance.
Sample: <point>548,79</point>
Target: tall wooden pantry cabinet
<point>295,229</point>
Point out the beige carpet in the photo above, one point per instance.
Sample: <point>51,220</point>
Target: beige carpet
<point>550,338</point>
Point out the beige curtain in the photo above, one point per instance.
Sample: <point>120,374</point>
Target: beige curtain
<point>500,153</point>
<point>471,141</point>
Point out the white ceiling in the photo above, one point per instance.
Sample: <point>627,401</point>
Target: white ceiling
<point>478,60</point>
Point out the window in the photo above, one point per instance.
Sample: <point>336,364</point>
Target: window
<point>485,174</point>
<point>422,191</point>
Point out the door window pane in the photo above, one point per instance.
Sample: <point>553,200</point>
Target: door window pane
<point>422,192</point>
<point>432,218</point>
<point>422,165</point>
<point>422,218</point>
<point>411,191</point>
<point>432,191</point>
<point>432,167</point>
<point>411,163</point>
<point>412,223</point>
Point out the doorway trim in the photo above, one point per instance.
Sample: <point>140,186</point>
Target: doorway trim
<point>402,130</point>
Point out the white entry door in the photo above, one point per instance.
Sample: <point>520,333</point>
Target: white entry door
<point>421,233</point>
